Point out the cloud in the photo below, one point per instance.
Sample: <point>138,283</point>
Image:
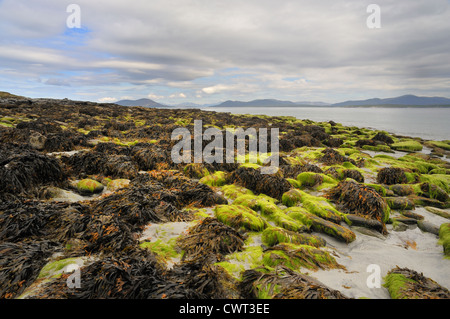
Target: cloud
<point>107,100</point>
<point>152,96</point>
<point>233,48</point>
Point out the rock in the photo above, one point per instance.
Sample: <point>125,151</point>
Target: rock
<point>89,187</point>
<point>412,215</point>
<point>428,227</point>
<point>368,232</point>
<point>400,203</point>
<point>291,198</point>
<point>399,226</point>
<point>444,238</point>
<point>117,184</point>
<point>364,222</point>
<point>406,220</point>
<point>438,211</point>
<point>402,189</point>
<point>321,225</point>
<point>37,141</point>
<point>404,283</point>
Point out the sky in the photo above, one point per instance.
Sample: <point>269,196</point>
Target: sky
<point>210,51</point>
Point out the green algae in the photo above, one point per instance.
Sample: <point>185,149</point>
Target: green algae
<point>441,144</point>
<point>317,181</point>
<point>233,191</point>
<point>239,216</point>
<point>321,225</point>
<point>320,207</point>
<point>407,146</point>
<point>291,198</point>
<point>397,285</point>
<point>270,211</point>
<point>444,238</point>
<point>299,256</point>
<point>272,236</point>
<point>54,269</point>
<point>165,250</point>
<point>218,178</point>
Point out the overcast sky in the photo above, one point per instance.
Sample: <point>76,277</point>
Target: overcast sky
<point>207,51</point>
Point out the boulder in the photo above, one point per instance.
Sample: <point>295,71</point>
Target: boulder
<point>89,187</point>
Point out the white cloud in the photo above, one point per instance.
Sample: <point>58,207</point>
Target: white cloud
<point>177,96</point>
<point>153,96</point>
<point>107,100</point>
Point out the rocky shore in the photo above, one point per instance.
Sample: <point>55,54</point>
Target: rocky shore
<point>94,185</point>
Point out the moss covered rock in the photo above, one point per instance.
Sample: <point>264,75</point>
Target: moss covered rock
<point>321,225</point>
<point>89,186</point>
<point>216,179</point>
<point>297,256</point>
<point>239,216</point>
<point>272,236</point>
<point>444,238</point>
<point>291,198</point>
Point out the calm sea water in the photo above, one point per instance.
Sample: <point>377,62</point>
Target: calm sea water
<point>427,123</point>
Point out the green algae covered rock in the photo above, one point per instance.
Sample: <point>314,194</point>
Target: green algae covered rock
<point>291,198</point>
<point>407,146</point>
<point>404,283</point>
<point>321,225</point>
<point>233,191</point>
<point>270,211</point>
<point>272,236</point>
<point>89,187</point>
<point>444,238</point>
<point>216,179</point>
<point>239,216</point>
<point>321,207</point>
<point>297,256</point>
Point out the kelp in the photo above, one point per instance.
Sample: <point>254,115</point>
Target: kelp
<point>361,200</point>
<point>271,185</point>
<point>391,176</point>
<point>20,264</point>
<point>284,283</point>
<point>22,173</point>
<point>210,236</point>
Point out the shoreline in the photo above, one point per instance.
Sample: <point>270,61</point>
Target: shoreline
<point>226,222</point>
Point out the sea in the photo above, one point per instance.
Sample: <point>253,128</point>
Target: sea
<point>428,123</point>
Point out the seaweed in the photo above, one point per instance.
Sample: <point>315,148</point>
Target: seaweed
<point>210,236</point>
<point>20,264</point>
<point>284,283</point>
<point>361,200</point>
<point>391,176</point>
<point>404,283</point>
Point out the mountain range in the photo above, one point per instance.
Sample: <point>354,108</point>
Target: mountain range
<point>405,100</point>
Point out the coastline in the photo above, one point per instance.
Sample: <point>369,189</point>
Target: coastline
<point>72,141</point>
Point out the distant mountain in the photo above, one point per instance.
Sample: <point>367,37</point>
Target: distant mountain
<point>406,100</point>
<point>267,103</point>
<point>141,102</point>
<point>401,100</point>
